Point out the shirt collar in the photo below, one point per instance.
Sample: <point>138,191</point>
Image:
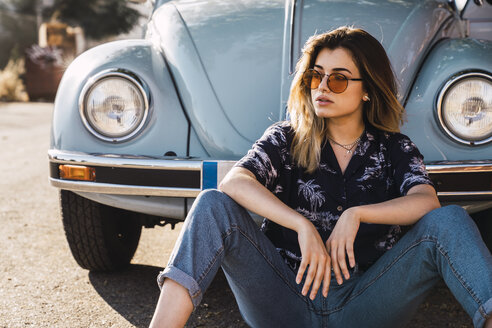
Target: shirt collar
<point>362,151</point>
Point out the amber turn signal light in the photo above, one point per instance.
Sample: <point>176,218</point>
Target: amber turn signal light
<point>75,172</point>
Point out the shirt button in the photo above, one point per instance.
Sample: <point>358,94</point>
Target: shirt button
<point>339,208</point>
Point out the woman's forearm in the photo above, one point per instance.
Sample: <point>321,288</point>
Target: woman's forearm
<point>405,210</point>
<point>242,186</point>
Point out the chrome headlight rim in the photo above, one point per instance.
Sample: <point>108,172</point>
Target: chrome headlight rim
<point>125,74</point>
<point>439,103</point>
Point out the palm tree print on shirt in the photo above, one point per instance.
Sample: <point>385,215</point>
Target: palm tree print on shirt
<point>362,147</point>
<point>312,193</point>
<point>325,167</point>
<point>290,258</point>
<point>278,189</point>
<point>324,220</point>
<point>407,145</point>
<point>417,174</point>
<point>372,172</point>
<point>390,239</point>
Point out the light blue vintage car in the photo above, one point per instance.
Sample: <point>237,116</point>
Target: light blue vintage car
<point>140,127</point>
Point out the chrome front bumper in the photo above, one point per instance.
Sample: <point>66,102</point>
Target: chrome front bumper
<point>138,175</point>
<point>135,175</point>
<point>462,180</point>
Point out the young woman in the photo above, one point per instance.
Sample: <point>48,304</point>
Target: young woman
<point>335,182</point>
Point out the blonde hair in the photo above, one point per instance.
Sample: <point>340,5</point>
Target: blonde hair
<point>383,111</point>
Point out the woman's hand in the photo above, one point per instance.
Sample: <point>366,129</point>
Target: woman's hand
<point>315,259</point>
<point>341,243</point>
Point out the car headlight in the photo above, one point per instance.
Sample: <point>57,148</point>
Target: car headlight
<point>464,108</point>
<point>114,105</point>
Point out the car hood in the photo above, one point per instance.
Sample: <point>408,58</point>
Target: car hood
<point>240,46</point>
<point>247,50</point>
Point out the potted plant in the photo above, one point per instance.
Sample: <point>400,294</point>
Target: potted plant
<point>44,69</point>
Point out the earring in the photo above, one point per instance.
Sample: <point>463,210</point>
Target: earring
<point>366,98</point>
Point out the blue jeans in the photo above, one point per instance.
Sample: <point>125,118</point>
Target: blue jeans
<point>445,243</point>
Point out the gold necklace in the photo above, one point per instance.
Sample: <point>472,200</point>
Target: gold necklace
<point>347,147</point>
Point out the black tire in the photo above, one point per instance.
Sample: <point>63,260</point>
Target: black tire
<point>483,220</point>
<point>101,238</point>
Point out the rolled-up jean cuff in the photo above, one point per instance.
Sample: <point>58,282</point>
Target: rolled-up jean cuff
<point>483,313</point>
<point>184,280</point>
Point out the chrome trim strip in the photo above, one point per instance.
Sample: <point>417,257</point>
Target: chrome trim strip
<point>464,193</point>
<point>459,168</point>
<point>440,98</point>
<point>291,36</point>
<point>128,75</point>
<point>476,206</point>
<point>126,161</point>
<point>63,157</point>
<point>107,188</point>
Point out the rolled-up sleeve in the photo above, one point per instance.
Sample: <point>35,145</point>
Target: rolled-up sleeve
<point>408,164</point>
<point>267,155</point>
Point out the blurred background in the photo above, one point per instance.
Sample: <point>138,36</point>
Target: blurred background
<point>39,39</point>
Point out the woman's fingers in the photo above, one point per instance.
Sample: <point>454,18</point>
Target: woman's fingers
<point>341,261</point>
<point>327,277</point>
<point>313,265</point>
<point>334,262</point>
<point>341,243</point>
<point>350,253</point>
<point>339,251</point>
<point>302,268</point>
<point>319,277</point>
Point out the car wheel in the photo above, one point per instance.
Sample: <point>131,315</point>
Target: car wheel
<point>483,220</point>
<point>101,238</point>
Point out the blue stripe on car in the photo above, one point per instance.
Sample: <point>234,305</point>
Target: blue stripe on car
<point>209,175</point>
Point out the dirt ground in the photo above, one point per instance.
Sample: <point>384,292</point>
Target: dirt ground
<point>42,286</point>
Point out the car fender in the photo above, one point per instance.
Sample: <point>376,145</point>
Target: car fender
<point>166,121</point>
<point>448,59</point>
<point>227,110</point>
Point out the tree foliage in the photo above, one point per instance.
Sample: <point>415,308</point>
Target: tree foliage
<point>19,6</point>
<point>18,28</point>
<point>98,18</point>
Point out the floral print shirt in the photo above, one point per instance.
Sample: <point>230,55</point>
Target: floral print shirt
<point>383,166</point>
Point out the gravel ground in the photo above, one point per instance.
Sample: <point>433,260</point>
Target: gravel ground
<point>42,286</point>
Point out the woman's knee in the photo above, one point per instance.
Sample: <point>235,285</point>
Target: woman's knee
<point>214,203</point>
<point>212,198</point>
<point>445,218</point>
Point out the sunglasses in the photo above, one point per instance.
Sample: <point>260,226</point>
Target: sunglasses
<point>337,82</point>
